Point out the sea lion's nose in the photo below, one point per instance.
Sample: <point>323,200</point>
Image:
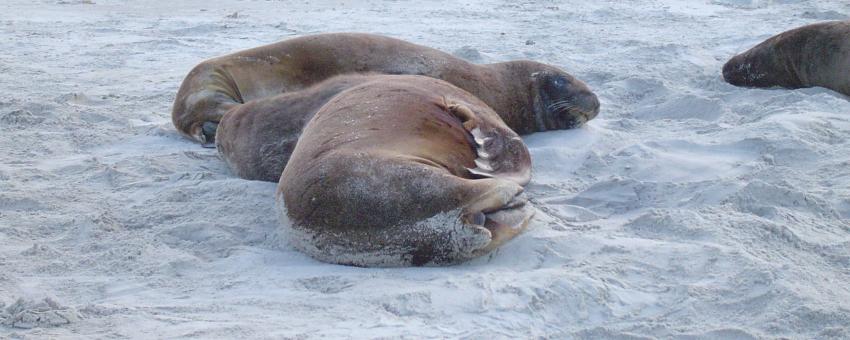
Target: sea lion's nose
<point>589,104</point>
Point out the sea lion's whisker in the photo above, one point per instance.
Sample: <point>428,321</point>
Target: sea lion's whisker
<point>558,103</point>
<point>566,106</point>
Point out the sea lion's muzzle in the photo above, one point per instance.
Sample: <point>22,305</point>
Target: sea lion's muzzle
<point>588,104</point>
<point>570,111</point>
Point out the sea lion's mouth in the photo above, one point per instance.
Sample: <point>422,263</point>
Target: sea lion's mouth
<point>578,117</point>
<point>570,113</point>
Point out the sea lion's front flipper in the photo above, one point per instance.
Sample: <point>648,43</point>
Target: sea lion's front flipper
<point>506,224</point>
<point>492,195</point>
<point>500,208</point>
<point>501,152</point>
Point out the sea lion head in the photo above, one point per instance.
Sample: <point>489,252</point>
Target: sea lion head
<point>560,100</point>
<point>750,69</point>
<point>765,65</point>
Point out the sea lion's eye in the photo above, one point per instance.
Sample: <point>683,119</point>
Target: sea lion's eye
<point>560,82</point>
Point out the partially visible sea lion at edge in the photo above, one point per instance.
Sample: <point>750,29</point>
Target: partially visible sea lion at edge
<point>529,96</point>
<point>404,170</point>
<point>812,55</point>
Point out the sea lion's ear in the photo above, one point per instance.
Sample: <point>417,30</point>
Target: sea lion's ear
<point>462,112</point>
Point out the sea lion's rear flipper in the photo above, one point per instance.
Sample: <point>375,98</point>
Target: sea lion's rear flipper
<point>501,152</point>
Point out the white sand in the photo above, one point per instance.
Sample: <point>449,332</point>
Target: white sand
<point>689,208</point>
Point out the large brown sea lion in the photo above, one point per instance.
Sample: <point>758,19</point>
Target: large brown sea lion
<point>529,96</point>
<point>813,55</point>
<point>404,170</point>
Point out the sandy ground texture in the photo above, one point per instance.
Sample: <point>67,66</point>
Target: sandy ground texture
<point>688,209</point>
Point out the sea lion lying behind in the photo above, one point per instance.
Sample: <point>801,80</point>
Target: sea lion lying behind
<point>404,170</point>
<point>529,96</point>
<point>813,55</point>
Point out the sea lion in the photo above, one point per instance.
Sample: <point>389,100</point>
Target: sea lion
<point>812,55</point>
<point>404,170</point>
<point>529,96</point>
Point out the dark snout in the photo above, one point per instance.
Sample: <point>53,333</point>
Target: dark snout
<point>570,110</point>
<point>588,103</point>
<point>736,72</point>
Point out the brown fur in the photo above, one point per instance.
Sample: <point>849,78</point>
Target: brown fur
<point>257,138</point>
<point>383,157</point>
<point>813,55</point>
